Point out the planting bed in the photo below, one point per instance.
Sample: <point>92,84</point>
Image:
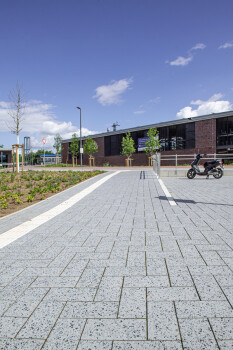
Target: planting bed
<point>18,191</point>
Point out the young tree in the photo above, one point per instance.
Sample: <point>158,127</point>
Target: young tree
<point>74,146</point>
<point>153,143</point>
<point>16,112</point>
<point>57,145</point>
<point>90,147</point>
<point>127,146</point>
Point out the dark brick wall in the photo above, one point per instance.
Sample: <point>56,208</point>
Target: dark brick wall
<point>205,133</point>
<point>205,142</point>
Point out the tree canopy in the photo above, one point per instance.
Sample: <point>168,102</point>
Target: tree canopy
<point>74,146</point>
<point>90,147</point>
<point>127,146</point>
<point>153,142</point>
<point>57,143</point>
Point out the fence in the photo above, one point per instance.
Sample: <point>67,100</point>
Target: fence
<point>175,160</point>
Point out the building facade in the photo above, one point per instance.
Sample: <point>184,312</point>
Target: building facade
<point>208,134</point>
<point>5,157</point>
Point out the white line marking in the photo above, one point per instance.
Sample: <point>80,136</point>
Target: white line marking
<point>21,230</point>
<point>167,193</point>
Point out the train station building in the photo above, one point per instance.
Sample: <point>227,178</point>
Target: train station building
<point>208,134</point>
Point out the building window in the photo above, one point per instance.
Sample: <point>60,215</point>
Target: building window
<point>176,137</point>
<point>224,131</point>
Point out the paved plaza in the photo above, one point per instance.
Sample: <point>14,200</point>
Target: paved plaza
<point>120,268</point>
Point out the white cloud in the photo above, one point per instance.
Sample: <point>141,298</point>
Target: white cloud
<point>184,61</point>
<point>39,121</point>
<point>226,46</point>
<point>198,46</point>
<point>214,104</point>
<point>181,61</point>
<point>139,112</point>
<point>111,94</point>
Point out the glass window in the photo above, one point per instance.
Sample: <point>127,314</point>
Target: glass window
<point>180,136</point>
<point>172,137</point>
<point>230,130</point>
<point>163,137</point>
<point>222,131</point>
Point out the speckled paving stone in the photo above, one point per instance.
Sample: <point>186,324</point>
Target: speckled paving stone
<point>90,310</point>
<point>9,326</point>
<point>225,344</point>
<point>94,345</point>
<point>172,293</point>
<point>146,345</point>
<point>133,303</point>
<point>115,330</point>
<point>197,334</point>
<point>200,309</point>
<point>162,322</point>
<point>21,344</point>
<point>109,289</point>
<point>42,320</point>
<point>222,328</point>
<point>65,335</point>
<point>71,294</point>
<point>146,281</point>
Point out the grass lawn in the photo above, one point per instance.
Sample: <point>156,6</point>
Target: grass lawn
<point>23,189</point>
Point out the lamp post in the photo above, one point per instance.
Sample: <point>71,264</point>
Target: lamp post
<point>81,146</point>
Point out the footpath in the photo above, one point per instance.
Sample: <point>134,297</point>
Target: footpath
<point>110,264</point>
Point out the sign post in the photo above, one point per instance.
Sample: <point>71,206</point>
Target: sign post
<point>44,142</point>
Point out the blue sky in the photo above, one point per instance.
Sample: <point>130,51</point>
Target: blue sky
<point>133,61</point>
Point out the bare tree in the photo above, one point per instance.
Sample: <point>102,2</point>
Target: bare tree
<point>16,112</point>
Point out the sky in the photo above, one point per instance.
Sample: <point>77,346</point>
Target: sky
<point>135,62</point>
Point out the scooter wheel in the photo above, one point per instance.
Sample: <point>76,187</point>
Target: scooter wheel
<point>218,174</point>
<point>191,174</point>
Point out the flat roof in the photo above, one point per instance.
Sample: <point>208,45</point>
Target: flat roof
<point>159,125</point>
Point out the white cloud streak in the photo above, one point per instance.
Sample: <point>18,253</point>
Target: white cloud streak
<point>226,46</point>
<point>181,61</point>
<point>39,121</point>
<point>111,94</point>
<point>198,46</point>
<point>184,61</point>
<point>215,104</point>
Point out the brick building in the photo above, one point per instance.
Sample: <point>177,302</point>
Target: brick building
<point>5,156</point>
<point>203,134</point>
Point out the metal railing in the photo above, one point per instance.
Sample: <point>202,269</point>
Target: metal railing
<point>176,159</point>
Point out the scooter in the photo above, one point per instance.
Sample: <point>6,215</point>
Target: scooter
<point>210,168</point>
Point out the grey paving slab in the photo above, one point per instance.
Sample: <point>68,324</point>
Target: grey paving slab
<point>225,344</point>
<point>122,269</point>
<point>197,334</point>
<point>21,344</point>
<point>118,329</point>
<point>94,345</point>
<point>88,310</point>
<point>133,303</point>
<point>147,345</point>
<point>41,322</point>
<point>162,321</point>
<point>65,335</point>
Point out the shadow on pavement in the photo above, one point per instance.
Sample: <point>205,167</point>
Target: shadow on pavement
<point>190,201</point>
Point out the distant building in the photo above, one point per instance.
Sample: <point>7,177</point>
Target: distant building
<point>5,157</point>
<point>209,134</point>
<point>49,159</point>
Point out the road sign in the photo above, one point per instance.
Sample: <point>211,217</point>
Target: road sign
<point>44,141</point>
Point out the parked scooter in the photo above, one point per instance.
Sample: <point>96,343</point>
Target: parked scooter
<point>210,168</point>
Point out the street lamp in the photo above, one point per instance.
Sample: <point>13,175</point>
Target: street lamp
<point>81,148</point>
